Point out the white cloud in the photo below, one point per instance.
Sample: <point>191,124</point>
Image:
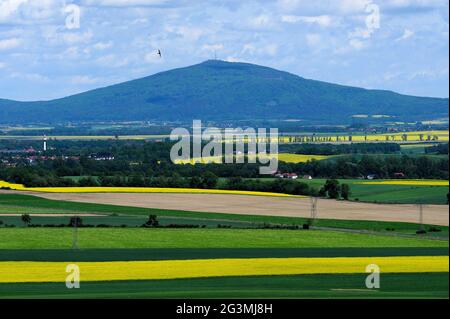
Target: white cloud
<point>212,47</point>
<point>361,33</point>
<point>357,44</point>
<point>233,59</point>
<point>323,20</point>
<point>35,77</point>
<point>189,33</point>
<point>353,6</point>
<point>262,20</point>
<point>42,9</point>
<point>391,76</point>
<point>249,48</point>
<point>270,49</point>
<point>77,37</point>
<point>153,58</point>
<point>84,79</point>
<point>9,8</point>
<point>103,45</point>
<point>2,65</point>
<point>111,60</point>
<point>406,35</point>
<point>289,5</point>
<point>290,18</point>
<point>9,43</point>
<point>124,3</point>
<point>29,11</point>
<point>313,39</point>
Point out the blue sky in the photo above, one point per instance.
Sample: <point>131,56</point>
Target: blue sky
<point>341,41</point>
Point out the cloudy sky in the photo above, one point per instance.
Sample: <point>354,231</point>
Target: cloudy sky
<point>400,45</point>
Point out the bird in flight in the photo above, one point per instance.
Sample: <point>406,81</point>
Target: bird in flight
<point>159,53</point>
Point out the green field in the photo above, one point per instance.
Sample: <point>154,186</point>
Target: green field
<point>48,238</point>
<point>133,254</point>
<point>390,194</point>
<point>242,240</point>
<point>432,285</point>
<point>393,194</point>
<point>135,216</point>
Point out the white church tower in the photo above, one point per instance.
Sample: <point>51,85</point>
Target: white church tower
<point>45,143</point>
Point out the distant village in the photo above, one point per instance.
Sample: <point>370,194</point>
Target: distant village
<point>12,158</point>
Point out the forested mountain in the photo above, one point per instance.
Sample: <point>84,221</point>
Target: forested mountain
<point>221,91</point>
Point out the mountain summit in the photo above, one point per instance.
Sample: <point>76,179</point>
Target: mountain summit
<point>218,90</point>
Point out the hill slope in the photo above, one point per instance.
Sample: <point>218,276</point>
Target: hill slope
<point>217,90</point>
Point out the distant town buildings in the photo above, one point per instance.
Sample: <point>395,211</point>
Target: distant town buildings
<point>286,175</point>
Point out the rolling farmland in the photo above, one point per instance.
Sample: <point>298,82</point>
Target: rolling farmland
<point>253,262</point>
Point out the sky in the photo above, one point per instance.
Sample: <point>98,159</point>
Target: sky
<point>54,48</point>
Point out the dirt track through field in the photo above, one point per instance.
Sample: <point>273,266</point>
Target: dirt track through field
<point>261,205</point>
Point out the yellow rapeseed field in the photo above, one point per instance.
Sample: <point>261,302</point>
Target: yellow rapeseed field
<point>282,157</point>
<point>300,158</point>
<point>11,272</point>
<point>11,186</point>
<point>138,190</point>
<point>413,182</point>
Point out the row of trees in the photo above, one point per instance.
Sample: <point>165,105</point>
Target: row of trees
<point>333,189</point>
<point>123,173</point>
<point>148,163</point>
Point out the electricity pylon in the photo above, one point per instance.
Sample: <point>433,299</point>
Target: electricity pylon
<point>420,206</point>
<point>313,215</point>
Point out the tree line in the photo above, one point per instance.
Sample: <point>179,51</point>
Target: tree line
<point>138,163</point>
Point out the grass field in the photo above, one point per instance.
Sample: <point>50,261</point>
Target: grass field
<point>135,216</point>
<point>49,238</point>
<point>391,191</point>
<point>424,285</point>
<point>411,182</point>
<point>243,263</point>
<point>134,254</point>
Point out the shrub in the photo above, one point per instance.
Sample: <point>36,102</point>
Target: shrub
<point>152,221</point>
